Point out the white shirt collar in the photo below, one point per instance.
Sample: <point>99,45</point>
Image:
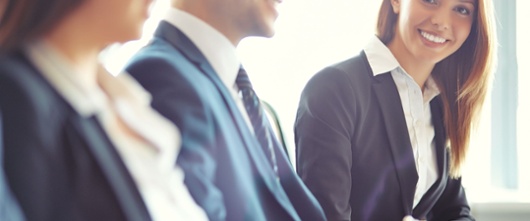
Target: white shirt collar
<point>217,49</point>
<point>85,100</point>
<point>382,61</point>
<point>379,57</point>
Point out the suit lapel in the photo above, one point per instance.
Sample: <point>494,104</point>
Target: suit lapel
<point>112,167</point>
<point>398,137</point>
<point>440,137</point>
<point>180,41</point>
<point>430,197</point>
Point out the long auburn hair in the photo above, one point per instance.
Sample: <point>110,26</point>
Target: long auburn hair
<point>26,20</point>
<point>463,77</point>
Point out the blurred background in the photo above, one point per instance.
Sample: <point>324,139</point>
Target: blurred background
<point>312,34</point>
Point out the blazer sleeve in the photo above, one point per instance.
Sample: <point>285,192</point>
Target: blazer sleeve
<point>323,130</point>
<point>177,100</point>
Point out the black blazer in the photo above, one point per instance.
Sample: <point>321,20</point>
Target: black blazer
<point>354,153</point>
<point>59,165</point>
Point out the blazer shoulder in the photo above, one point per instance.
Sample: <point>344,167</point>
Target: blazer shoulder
<point>21,82</point>
<point>357,66</point>
<point>354,69</point>
<point>157,50</point>
<point>351,74</point>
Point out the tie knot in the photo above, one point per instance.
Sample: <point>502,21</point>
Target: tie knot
<point>242,80</point>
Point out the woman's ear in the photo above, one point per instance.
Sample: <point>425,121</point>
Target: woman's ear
<point>395,5</point>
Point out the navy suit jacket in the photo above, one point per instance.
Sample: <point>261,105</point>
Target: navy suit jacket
<point>59,165</point>
<point>226,170</point>
<point>354,152</point>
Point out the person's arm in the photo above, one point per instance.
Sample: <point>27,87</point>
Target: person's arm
<point>323,130</point>
<point>176,99</point>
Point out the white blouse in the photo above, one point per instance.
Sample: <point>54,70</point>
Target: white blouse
<point>417,110</point>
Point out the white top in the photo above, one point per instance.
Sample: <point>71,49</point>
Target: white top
<point>417,109</point>
<point>217,49</point>
<point>151,160</point>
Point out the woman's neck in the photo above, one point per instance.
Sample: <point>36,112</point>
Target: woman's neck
<point>419,70</point>
<point>80,49</point>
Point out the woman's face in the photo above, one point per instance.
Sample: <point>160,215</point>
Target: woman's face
<point>118,20</point>
<point>431,30</point>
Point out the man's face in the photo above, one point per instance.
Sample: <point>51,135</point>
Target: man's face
<point>261,17</point>
<point>244,18</point>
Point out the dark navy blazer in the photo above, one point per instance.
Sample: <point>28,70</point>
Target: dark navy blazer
<point>226,170</point>
<point>59,165</point>
<point>354,152</point>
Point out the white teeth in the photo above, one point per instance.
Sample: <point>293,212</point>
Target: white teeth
<point>433,38</point>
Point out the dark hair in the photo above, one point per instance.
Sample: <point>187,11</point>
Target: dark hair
<point>463,77</point>
<point>26,20</point>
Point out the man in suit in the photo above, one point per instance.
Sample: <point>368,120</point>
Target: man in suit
<point>191,68</point>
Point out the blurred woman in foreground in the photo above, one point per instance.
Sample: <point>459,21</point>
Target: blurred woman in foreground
<point>80,143</point>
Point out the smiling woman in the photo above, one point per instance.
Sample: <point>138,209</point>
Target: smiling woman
<point>421,84</point>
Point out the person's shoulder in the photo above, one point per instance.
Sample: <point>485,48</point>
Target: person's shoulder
<point>17,69</point>
<point>353,69</point>
<point>25,95</point>
<point>156,49</point>
<point>21,81</point>
<point>13,62</point>
<point>155,56</point>
<point>354,66</point>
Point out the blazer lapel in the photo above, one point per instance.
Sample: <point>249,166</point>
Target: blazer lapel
<point>429,198</point>
<point>112,167</point>
<point>180,41</point>
<point>398,137</point>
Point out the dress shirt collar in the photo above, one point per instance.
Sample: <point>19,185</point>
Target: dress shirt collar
<point>85,100</point>
<point>382,61</point>
<point>217,49</point>
<point>379,57</point>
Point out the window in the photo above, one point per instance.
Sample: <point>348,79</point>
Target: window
<point>500,154</point>
<point>523,117</point>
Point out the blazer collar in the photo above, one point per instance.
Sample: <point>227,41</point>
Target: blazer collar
<point>179,40</point>
<point>428,200</point>
<point>112,167</point>
<point>396,127</point>
<point>388,97</point>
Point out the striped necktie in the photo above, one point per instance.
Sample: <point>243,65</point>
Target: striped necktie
<point>257,117</point>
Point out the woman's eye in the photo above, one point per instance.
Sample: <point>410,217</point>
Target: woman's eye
<point>463,11</point>
<point>430,1</point>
